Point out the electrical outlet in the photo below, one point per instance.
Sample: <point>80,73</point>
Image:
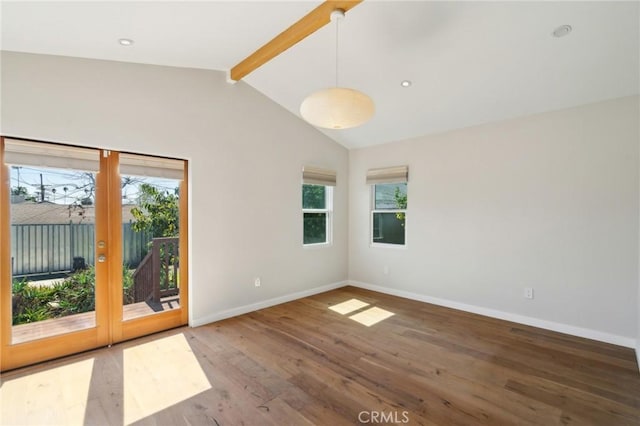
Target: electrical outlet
<point>385,270</point>
<point>528,293</point>
<point>257,282</point>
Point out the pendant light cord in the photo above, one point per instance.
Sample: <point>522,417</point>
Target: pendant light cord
<point>337,24</point>
<point>336,16</point>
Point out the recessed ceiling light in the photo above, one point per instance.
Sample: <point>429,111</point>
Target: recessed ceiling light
<point>562,31</point>
<point>125,41</point>
<point>405,83</point>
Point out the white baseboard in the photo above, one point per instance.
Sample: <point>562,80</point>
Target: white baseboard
<point>240,310</point>
<point>521,319</point>
<point>507,316</point>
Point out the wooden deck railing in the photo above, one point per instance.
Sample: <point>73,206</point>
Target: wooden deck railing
<point>157,274</point>
<point>143,279</point>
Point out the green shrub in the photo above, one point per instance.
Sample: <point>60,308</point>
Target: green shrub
<point>73,295</point>
<point>19,285</point>
<point>31,303</point>
<point>76,294</point>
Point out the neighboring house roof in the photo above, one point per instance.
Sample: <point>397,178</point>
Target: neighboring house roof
<point>30,213</point>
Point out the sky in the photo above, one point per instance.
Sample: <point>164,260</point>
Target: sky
<point>76,183</point>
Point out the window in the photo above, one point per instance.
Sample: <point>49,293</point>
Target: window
<point>316,212</point>
<point>388,205</point>
<point>317,205</point>
<point>389,213</point>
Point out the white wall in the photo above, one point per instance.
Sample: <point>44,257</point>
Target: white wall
<point>547,201</point>
<point>246,155</point>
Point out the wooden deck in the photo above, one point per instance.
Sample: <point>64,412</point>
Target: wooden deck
<point>302,363</point>
<point>53,327</point>
<point>142,309</point>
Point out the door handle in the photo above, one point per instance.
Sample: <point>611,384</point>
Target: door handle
<point>102,258</point>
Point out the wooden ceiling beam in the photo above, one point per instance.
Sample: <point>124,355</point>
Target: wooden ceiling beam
<point>310,23</point>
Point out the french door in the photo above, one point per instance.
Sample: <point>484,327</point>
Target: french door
<point>93,248</point>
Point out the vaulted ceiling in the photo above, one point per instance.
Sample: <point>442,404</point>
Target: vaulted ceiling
<point>468,62</point>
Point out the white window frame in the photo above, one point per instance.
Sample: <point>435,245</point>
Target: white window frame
<point>373,209</point>
<point>328,211</point>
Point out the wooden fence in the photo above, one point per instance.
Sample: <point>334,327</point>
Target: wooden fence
<point>49,249</point>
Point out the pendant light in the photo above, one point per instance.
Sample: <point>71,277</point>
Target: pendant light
<point>337,107</point>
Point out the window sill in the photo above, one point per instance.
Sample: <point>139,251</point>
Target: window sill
<point>316,246</point>
<point>390,246</point>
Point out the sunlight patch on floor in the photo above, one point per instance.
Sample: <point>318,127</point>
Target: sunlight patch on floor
<point>348,306</point>
<point>371,316</point>
<point>160,374</point>
<point>51,396</point>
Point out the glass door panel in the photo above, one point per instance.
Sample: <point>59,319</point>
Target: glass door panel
<point>53,245</point>
<point>150,234</point>
<point>53,260</point>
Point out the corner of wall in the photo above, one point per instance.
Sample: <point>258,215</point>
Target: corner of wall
<point>637,107</point>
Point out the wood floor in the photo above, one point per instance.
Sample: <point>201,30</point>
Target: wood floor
<point>302,363</point>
